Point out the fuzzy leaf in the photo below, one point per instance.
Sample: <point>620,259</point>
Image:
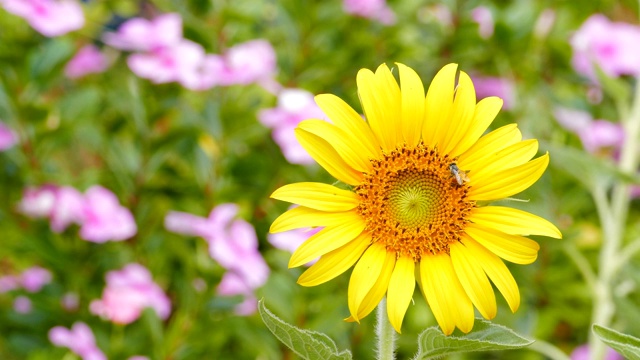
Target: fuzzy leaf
<point>485,336</point>
<point>618,89</point>
<point>307,344</point>
<point>627,345</point>
<point>586,169</point>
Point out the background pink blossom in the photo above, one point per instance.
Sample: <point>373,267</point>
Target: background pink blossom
<point>8,137</point>
<point>88,60</point>
<point>233,243</point>
<point>610,45</point>
<point>372,9</point>
<point>495,86</point>
<point>128,292</point>
<point>596,135</point>
<point>294,105</point>
<point>49,17</point>
<point>78,339</point>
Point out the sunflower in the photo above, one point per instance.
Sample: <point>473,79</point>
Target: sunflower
<point>418,176</point>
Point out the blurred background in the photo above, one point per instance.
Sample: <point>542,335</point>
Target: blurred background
<point>140,141</point>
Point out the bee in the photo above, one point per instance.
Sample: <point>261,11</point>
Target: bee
<point>460,175</point>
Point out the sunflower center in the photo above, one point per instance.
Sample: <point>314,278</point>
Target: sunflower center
<point>413,198</point>
<point>413,203</point>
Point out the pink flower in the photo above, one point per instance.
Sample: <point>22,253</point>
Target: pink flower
<point>48,17</point>
<point>248,62</point>
<point>22,305</point>
<point>294,105</point>
<point>292,239</point>
<point>169,63</point>
<point>68,208</point>
<point>9,283</point>
<point>34,278</point>
<point>545,23</point>
<point>483,17</point>
<point>78,339</point>
<point>235,247</point>
<point>186,224</point>
<point>596,135</point>
<point>8,138</point>
<point>88,60</point>
<point>104,218</point>
<point>70,301</point>
<point>495,86</point>
<point>612,46</point>
<point>38,202</point>
<point>63,205</point>
<point>140,34</point>
<point>602,134</point>
<point>232,284</point>
<point>582,353</point>
<point>128,292</point>
<point>372,9</point>
<point>232,243</point>
<point>204,75</point>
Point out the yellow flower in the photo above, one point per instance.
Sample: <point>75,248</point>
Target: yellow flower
<point>418,169</point>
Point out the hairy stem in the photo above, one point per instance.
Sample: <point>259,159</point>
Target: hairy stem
<point>385,333</point>
<point>613,218</point>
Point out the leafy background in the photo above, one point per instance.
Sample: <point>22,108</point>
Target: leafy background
<point>162,147</point>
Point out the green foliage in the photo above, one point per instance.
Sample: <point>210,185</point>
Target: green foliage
<point>627,345</point>
<point>307,344</point>
<point>485,336</point>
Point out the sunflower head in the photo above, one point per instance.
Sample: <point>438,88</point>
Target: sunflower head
<point>417,168</point>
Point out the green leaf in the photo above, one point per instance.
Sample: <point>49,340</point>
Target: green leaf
<point>485,336</point>
<point>50,55</point>
<point>307,344</point>
<point>587,169</point>
<point>627,345</point>
<point>618,89</point>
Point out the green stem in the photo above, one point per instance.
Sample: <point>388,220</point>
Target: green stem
<point>385,333</point>
<point>613,219</point>
<point>627,253</point>
<point>583,265</point>
<point>548,350</point>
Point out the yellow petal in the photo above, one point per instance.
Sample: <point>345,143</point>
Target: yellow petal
<point>326,240</point>
<point>464,106</point>
<point>513,221</point>
<point>303,217</point>
<point>489,144</point>
<point>486,110</point>
<point>335,262</point>
<point>473,280</point>
<point>509,157</point>
<point>400,292</point>
<point>364,276</point>
<point>412,105</point>
<point>350,149</point>
<point>380,98</point>
<point>439,105</point>
<point>350,121</point>
<point>317,196</point>
<point>497,272</point>
<point>448,301</point>
<point>373,297</point>
<point>513,248</point>
<point>328,157</point>
<point>388,86</point>
<point>511,181</point>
